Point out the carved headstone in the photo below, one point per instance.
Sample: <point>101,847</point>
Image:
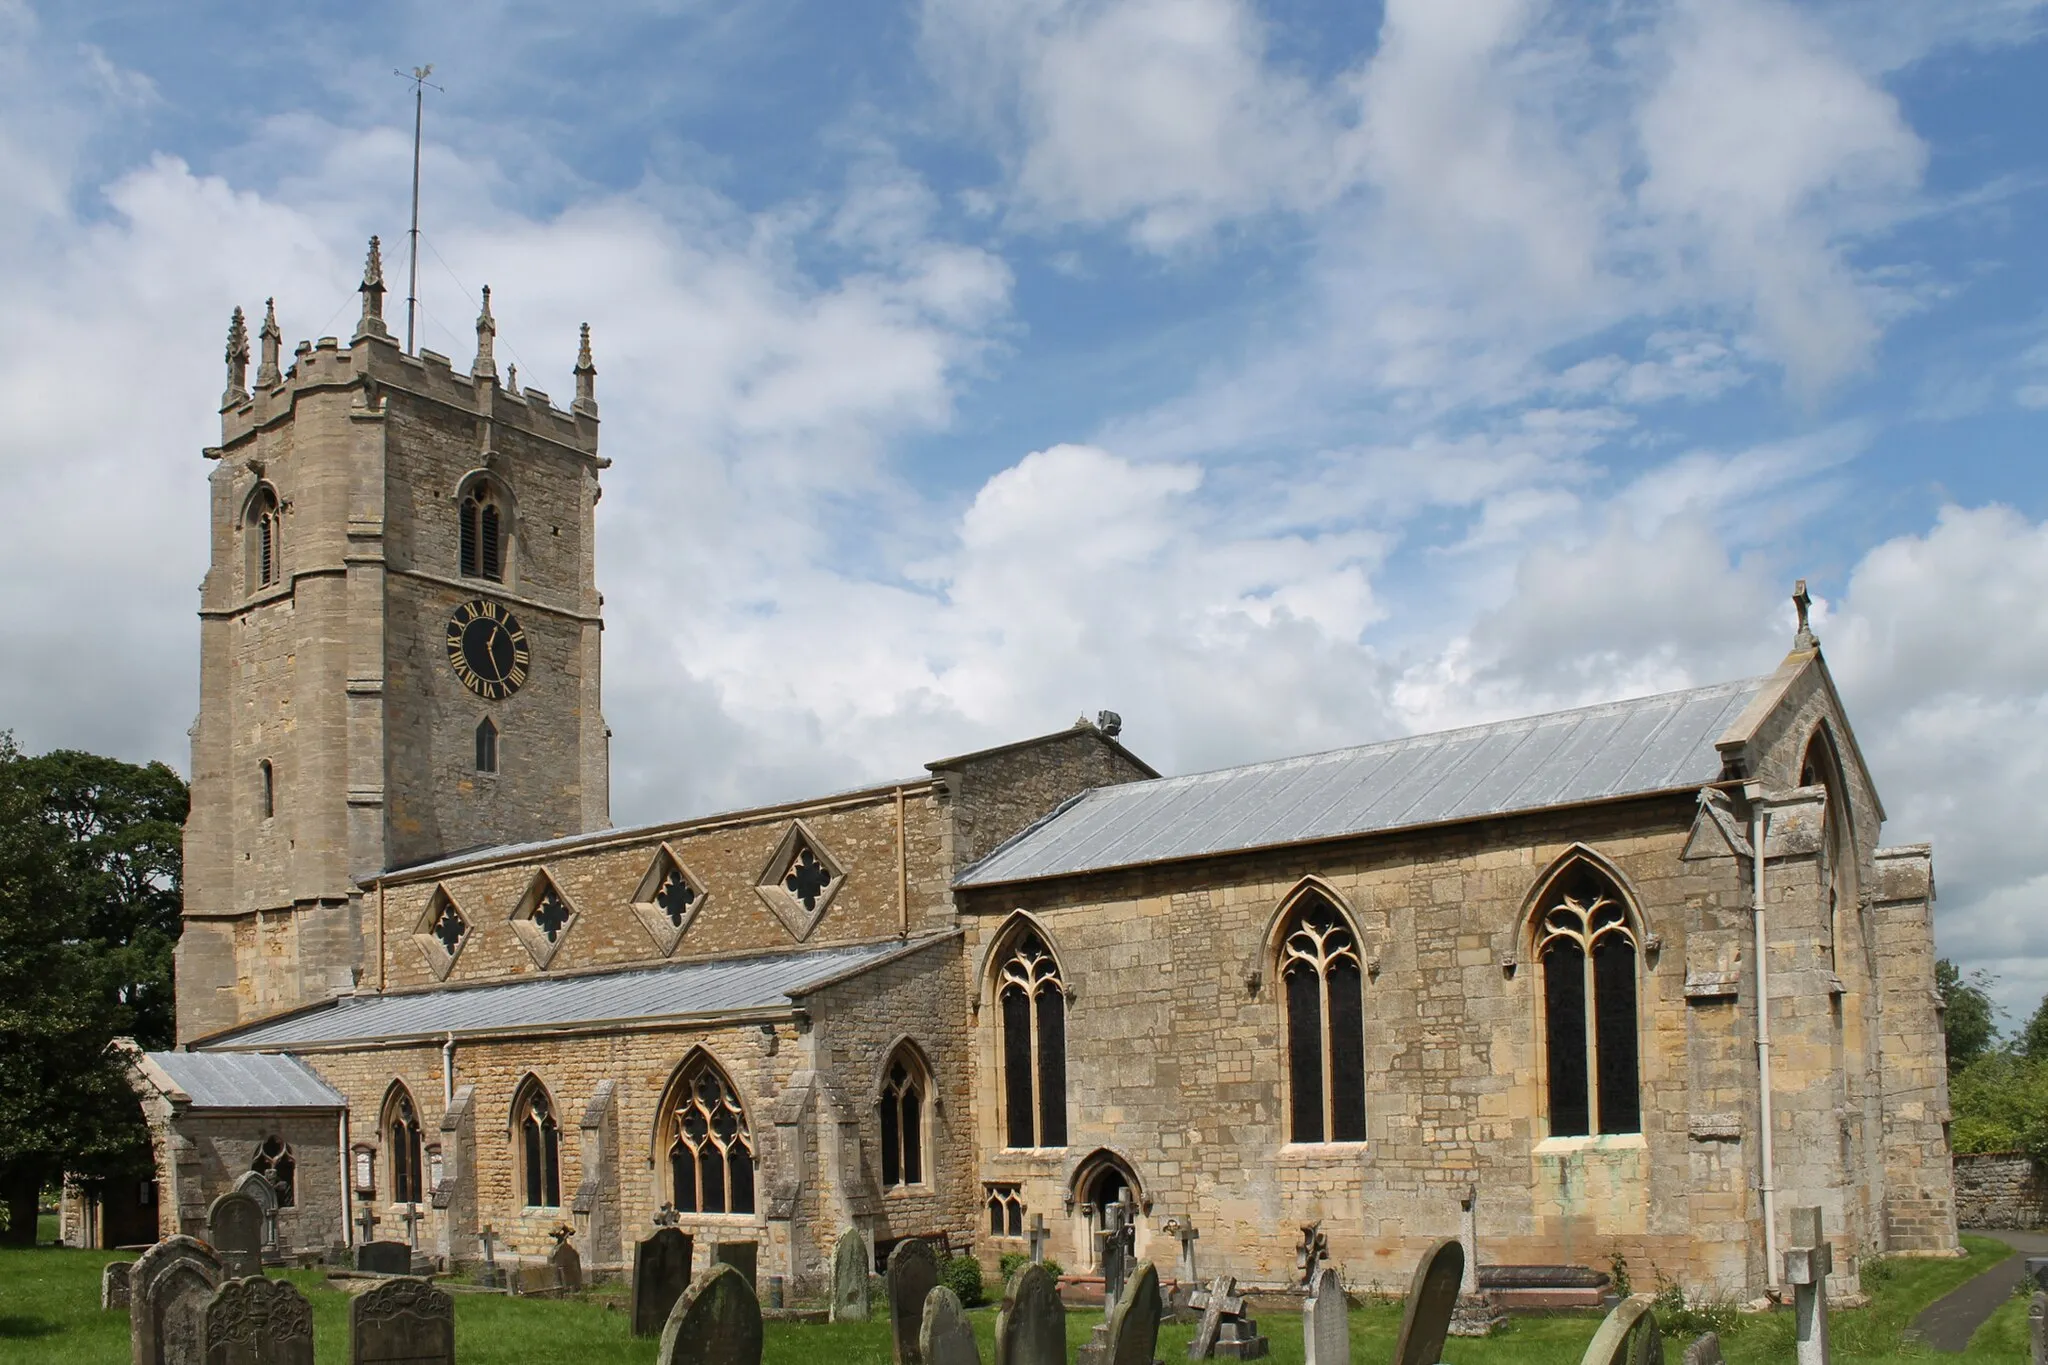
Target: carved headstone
<point>1031,1325</point>
<point>945,1338</point>
<point>850,1278</point>
<point>661,1272</point>
<point>402,1322</point>
<point>114,1284</point>
<point>913,1271</point>
<point>1705,1351</point>
<point>167,1287</point>
<point>717,1321</point>
<point>384,1258</point>
<point>1628,1336</point>
<point>2037,1326</point>
<point>1326,1321</point>
<point>1134,1327</point>
<point>234,1225</point>
<point>741,1256</point>
<point>567,1263</point>
<point>1432,1296</point>
<point>255,1321</point>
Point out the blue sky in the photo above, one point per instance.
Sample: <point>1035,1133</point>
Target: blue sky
<point>1281,375</point>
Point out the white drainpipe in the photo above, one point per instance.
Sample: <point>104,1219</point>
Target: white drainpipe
<point>1759,830</point>
<point>448,1072</point>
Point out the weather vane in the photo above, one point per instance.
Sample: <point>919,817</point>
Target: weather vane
<point>412,284</point>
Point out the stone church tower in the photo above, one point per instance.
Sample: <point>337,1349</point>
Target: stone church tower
<point>400,647</point>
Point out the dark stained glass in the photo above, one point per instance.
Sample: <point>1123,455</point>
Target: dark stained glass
<point>1052,1067</point>
<point>682,1171</point>
<point>711,1168</point>
<point>1305,1054</point>
<point>550,913</point>
<point>807,878</point>
<point>533,1163</point>
<point>741,1162</point>
<point>675,896</point>
<point>1017,1068</point>
<point>449,927</point>
<point>1347,1051</point>
<point>1614,995</point>
<point>1564,1013</point>
<point>913,1139</point>
<point>891,1138</point>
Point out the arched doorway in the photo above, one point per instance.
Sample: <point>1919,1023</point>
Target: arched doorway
<point>1101,1180</point>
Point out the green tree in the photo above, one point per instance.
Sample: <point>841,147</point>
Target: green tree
<point>1969,1019</point>
<point>89,903</point>
<point>2033,1040</point>
<point>1999,1103</point>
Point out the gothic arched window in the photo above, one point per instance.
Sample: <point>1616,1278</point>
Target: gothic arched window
<point>264,526</point>
<point>540,1145</point>
<point>902,1113</point>
<point>274,1161</point>
<point>402,1139</point>
<point>486,745</point>
<point>1034,1038</point>
<point>1588,952</point>
<point>266,789</point>
<point>711,1152</point>
<point>485,524</point>
<point>1325,989</point>
<point>1821,767</point>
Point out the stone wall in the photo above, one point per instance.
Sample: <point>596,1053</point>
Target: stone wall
<point>2001,1190</point>
<point>201,1154</point>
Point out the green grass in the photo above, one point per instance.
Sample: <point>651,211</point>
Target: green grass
<point>49,1313</point>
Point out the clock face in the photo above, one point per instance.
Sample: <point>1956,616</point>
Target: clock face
<point>487,649</point>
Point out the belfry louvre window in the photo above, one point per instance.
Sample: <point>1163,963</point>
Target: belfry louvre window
<point>540,1147</point>
<point>902,1114</point>
<point>265,528</point>
<point>402,1134</point>
<point>711,1153</point>
<point>1325,989</point>
<point>483,532</point>
<point>1034,1025</point>
<point>1588,952</point>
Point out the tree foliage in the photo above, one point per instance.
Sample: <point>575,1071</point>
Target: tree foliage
<point>89,912</point>
<point>1969,1018</point>
<point>1999,1103</point>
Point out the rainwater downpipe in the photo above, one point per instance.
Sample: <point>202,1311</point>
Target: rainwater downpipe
<point>448,1072</point>
<point>1759,831</point>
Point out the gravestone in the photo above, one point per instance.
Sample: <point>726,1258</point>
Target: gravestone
<point>741,1256</point>
<point>255,1321</point>
<point>490,1277</point>
<point>1628,1336</point>
<point>403,1321</point>
<point>167,1287</point>
<point>114,1284</point>
<point>945,1338</point>
<point>1225,1329</point>
<point>1031,1325</point>
<point>1705,1351</point>
<point>717,1321</point>
<point>1038,1236</point>
<point>913,1270</point>
<point>384,1258</point>
<point>1807,1263</point>
<point>1134,1327</point>
<point>1326,1321</point>
<point>258,1187</point>
<point>1432,1297</point>
<point>2037,1326</point>
<point>850,1262</point>
<point>1478,1313</point>
<point>567,1263</point>
<point>661,1272</point>
<point>234,1225</point>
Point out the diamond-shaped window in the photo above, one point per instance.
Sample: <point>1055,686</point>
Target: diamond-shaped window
<point>544,918</point>
<point>800,880</point>
<point>440,932</point>
<point>669,900</point>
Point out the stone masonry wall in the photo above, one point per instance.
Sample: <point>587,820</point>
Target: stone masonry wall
<point>2001,1190</point>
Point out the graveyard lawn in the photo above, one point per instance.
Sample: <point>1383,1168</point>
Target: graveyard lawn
<point>49,1312</point>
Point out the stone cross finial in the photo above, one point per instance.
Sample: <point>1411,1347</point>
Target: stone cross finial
<point>412,1218</point>
<point>1802,602</point>
<point>489,1237</point>
<point>238,361</point>
<point>372,290</point>
<point>267,374</point>
<point>586,377</point>
<point>486,362</point>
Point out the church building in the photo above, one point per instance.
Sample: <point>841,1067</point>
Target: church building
<point>1640,975</point>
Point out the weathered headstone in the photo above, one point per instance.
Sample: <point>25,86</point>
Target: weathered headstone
<point>255,1321</point>
<point>1326,1321</point>
<point>384,1258</point>
<point>1031,1325</point>
<point>1185,1231</point>
<point>1432,1297</point>
<point>403,1321</point>
<point>1807,1263</point>
<point>850,1262</point>
<point>491,1278</point>
<point>717,1321</point>
<point>1628,1336</point>
<point>741,1256</point>
<point>1705,1351</point>
<point>2037,1326</point>
<point>1116,1256</point>
<point>1226,1329</point>
<point>234,1225</point>
<point>945,1338</point>
<point>114,1284</point>
<point>567,1263</point>
<point>168,1286</point>
<point>661,1272</point>
<point>1478,1313</point>
<point>1134,1327</point>
<point>913,1270</point>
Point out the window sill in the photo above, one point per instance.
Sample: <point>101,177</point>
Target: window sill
<point>1602,1142</point>
<point>1309,1153</point>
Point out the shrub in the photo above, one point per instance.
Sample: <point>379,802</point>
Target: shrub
<point>1014,1261</point>
<point>962,1275</point>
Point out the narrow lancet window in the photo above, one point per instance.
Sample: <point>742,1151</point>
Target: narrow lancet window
<point>1325,990</point>
<point>1034,1045</point>
<point>1588,953</point>
<point>402,1135</point>
<point>540,1143</point>
<point>902,1116</point>
<point>265,529</point>
<point>486,746</point>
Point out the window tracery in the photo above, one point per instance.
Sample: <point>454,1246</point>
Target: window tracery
<point>540,1146</point>
<point>274,1162</point>
<point>1324,977</point>
<point>402,1137</point>
<point>1588,951</point>
<point>1034,1044</point>
<point>902,1115</point>
<point>711,1150</point>
<point>1005,1210</point>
